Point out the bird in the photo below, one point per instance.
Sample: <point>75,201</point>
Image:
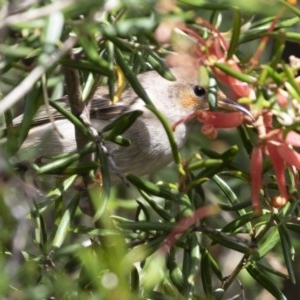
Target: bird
<point>149,149</point>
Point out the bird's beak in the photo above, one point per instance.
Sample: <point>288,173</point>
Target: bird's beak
<point>230,105</point>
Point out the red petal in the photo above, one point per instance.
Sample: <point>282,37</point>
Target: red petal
<point>282,97</point>
<point>185,223</point>
<point>256,177</point>
<point>221,120</point>
<point>279,168</point>
<point>209,131</point>
<point>289,155</point>
<point>293,138</point>
<point>240,88</point>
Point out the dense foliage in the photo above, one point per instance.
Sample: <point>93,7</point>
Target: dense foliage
<point>222,222</point>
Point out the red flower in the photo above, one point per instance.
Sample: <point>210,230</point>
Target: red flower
<point>278,148</point>
<point>215,50</point>
<point>212,120</point>
<point>219,119</point>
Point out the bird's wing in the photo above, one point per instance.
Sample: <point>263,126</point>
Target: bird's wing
<point>100,107</point>
<point>42,115</point>
<point>106,110</point>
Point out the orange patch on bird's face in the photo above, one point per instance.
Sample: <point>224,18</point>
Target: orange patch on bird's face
<point>184,96</point>
<point>190,101</point>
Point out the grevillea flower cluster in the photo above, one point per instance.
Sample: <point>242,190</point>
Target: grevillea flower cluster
<point>273,143</point>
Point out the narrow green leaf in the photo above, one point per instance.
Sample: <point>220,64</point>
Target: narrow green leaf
<point>131,77</point>
<point>292,91</point>
<point>101,67</point>
<point>56,193</point>
<point>170,134</point>
<point>235,207</point>
<point>271,240</point>
<point>245,137</point>
<point>121,124</point>
<point>53,31</point>
<point>190,264</point>
<point>271,72</point>
<point>88,43</point>
<point>153,189</point>
<point>239,222</point>
<point>271,270</point>
<point>238,75</point>
<point>229,154</point>
<point>41,233</point>
<point>229,194</point>
<point>131,26</point>
<point>214,266</point>
<point>141,252</point>
<point>31,108</point>
<point>19,51</point>
<point>99,232</point>
<point>157,63</point>
<point>142,209</point>
<point>119,140</point>
<point>293,226</point>
<point>143,225</point>
<point>291,84</point>
<point>291,7</point>
<point>154,295</point>
<point>288,252</point>
<point>79,125</point>
<point>226,157</point>
<point>65,222</point>
<point>206,274</point>
<point>204,163</point>
<point>100,194</point>
<point>231,242</point>
<point>264,279</point>
<point>235,32</point>
<point>62,165</point>
<point>134,280</point>
<point>161,211</point>
<point>121,44</point>
<point>280,45</point>
<point>175,274</point>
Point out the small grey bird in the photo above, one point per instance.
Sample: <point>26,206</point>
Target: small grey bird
<point>149,149</point>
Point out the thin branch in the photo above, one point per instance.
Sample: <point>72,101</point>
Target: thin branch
<point>35,14</point>
<point>78,107</point>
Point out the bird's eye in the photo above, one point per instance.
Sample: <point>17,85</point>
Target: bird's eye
<point>199,91</point>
